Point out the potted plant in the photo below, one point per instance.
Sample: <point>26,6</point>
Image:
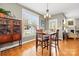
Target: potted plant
<point>4,13</point>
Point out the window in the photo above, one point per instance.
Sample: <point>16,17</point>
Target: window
<point>31,22</point>
<point>53,24</point>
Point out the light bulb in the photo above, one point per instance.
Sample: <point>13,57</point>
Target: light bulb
<point>44,16</point>
<point>49,16</point>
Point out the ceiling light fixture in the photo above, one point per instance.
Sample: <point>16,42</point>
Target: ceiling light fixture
<point>47,15</point>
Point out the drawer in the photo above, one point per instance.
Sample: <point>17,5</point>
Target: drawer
<point>16,36</point>
<point>5,38</point>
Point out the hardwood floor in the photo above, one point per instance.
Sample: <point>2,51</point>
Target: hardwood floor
<point>67,48</point>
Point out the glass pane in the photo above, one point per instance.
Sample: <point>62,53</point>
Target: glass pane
<point>31,23</point>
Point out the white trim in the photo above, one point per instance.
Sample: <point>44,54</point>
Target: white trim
<point>28,41</point>
<point>7,47</point>
<point>60,38</point>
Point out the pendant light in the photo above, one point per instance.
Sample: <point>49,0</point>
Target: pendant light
<point>47,15</point>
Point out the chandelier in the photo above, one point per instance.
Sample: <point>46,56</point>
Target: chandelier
<point>47,15</point>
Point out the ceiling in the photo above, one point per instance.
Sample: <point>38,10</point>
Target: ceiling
<point>69,9</point>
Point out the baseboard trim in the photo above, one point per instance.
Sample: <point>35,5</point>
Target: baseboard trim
<point>8,47</point>
<point>28,41</point>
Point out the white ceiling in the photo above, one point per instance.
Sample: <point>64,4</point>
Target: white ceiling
<point>70,9</point>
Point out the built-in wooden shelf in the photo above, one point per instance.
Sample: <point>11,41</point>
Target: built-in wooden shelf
<point>10,30</point>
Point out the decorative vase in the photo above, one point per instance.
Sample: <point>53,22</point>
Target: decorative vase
<point>2,15</point>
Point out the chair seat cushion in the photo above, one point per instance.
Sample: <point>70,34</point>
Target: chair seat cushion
<point>53,37</point>
<point>45,37</point>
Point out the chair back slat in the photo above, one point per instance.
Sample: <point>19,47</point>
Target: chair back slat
<point>55,36</point>
<point>39,34</point>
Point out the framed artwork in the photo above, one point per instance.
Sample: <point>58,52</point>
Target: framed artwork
<point>70,23</point>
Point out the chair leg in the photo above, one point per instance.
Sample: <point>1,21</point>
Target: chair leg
<point>56,48</point>
<point>36,46</point>
<point>42,47</point>
<point>57,45</point>
<point>47,44</point>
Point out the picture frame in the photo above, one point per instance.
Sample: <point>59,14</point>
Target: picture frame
<point>70,23</point>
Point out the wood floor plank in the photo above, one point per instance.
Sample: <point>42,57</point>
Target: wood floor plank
<point>67,48</point>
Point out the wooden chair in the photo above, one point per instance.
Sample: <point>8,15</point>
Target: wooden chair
<point>55,41</point>
<point>41,40</point>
